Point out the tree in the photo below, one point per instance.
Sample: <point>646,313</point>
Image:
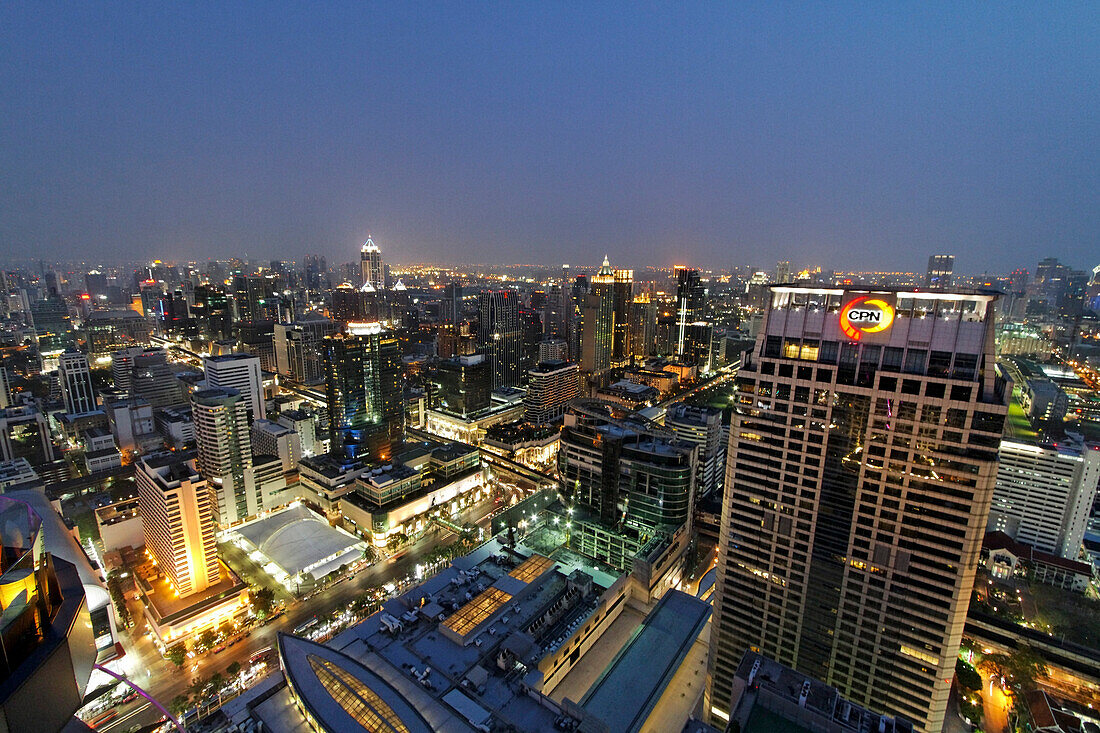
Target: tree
<point>179,704</point>
<point>207,638</point>
<point>968,677</point>
<point>176,655</point>
<point>233,669</point>
<point>216,681</point>
<point>370,553</point>
<point>1025,665</point>
<point>262,600</point>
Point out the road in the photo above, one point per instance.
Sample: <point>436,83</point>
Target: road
<point>996,705</point>
<point>164,681</point>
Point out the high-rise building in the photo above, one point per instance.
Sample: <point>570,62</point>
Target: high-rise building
<point>52,324</point>
<point>551,386</point>
<point>363,386</point>
<point>701,427</point>
<point>690,303</point>
<point>177,515</point>
<point>500,335</point>
<point>554,315</point>
<point>240,372</point>
<point>465,383</point>
<point>622,348</point>
<point>275,439</point>
<point>220,416</point>
<point>598,322</point>
<point>5,389</point>
<point>783,272</point>
<point>451,307</point>
<point>1045,493</point>
<point>316,272</point>
<point>861,465</point>
<point>644,326</point>
<point>299,347</point>
<point>370,263</point>
<point>76,383</point>
<point>941,269</point>
<point>626,481</point>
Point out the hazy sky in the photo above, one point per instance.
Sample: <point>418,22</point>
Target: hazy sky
<point>854,136</point>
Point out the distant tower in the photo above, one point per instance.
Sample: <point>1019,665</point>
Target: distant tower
<point>783,271</point>
<point>500,335</point>
<point>370,259</point>
<point>598,322</point>
<point>940,271</point>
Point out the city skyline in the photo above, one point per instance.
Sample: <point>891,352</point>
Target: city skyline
<point>701,137</point>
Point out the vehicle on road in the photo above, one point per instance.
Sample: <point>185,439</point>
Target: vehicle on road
<point>305,626</point>
<point>103,718</point>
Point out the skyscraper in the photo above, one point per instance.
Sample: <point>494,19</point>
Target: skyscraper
<point>860,470</point>
<point>177,513</point>
<point>242,373</point>
<point>598,322</point>
<point>222,436</point>
<point>370,262</point>
<point>363,387</point>
<point>76,383</point>
<point>500,335</point>
<point>940,271</point>
<point>622,349</point>
<point>690,300</point>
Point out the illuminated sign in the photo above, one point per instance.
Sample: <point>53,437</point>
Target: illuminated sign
<point>865,315</point>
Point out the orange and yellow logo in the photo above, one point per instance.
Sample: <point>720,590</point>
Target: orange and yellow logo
<point>865,315</point>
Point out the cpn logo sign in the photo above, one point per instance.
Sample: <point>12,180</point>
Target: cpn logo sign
<point>865,315</point>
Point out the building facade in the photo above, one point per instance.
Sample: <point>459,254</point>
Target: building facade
<point>240,372</point>
<point>862,460</point>
<point>76,383</point>
<point>551,386</point>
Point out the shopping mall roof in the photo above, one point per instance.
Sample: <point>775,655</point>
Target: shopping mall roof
<point>299,541</point>
<point>630,687</point>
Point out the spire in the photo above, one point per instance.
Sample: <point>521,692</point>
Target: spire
<point>370,246</point>
<point>605,268</point>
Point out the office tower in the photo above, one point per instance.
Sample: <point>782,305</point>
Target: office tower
<point>178,521</point>
<point>643,316</point>
<point>499,334</point>
<point>464,384</point>
<point>551,386</point>
<point>370,263</point>
<point>52,324</point>
<point>554,315</point>
<point>95,284</point>
<point>5,389</point>
<point>622,349</point>
<point>452,304</point>
<point>274,439</point>
<point>316,272</point>
<point>690,302</point>
<point>598,322</point>
<point>299,348</point>
<point>242,373</point>
<point>940,271</point>
<point>626,481</point>
<point>76,383</point>
<point>212,313</point>
<point>860,470</point>
<point>347,304</point>
<point>220,415</point>
<point>553,350</point>
<point>701,427</point>
<point>145,373</point>
<point>1045,493</point>
<point>783,272</point>
<point>363,386</point>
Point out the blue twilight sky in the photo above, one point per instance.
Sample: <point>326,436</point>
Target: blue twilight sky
<point>850,135</point>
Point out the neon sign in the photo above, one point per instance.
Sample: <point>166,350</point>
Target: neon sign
<point>865,315</point>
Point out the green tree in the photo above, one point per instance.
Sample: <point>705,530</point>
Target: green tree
<point>179,704</point>
<point>216,682</point>
<point>233,669</point>
<point>176,655</point>
<point>262,600</point>
<point>207,639</point>
<point>370,553</point>
<point>968,677</point>
<point>1025,665</point>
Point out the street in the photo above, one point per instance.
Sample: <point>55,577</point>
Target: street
<point>144,665</point>
<point>996,705</point>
